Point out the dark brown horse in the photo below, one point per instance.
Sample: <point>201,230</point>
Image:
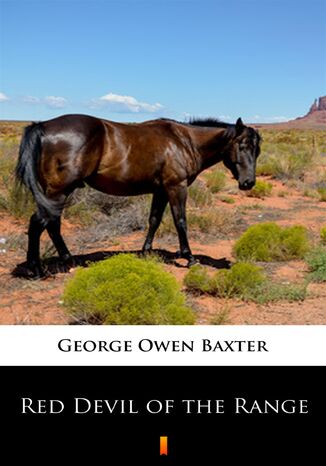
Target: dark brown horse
<point>162,157</point>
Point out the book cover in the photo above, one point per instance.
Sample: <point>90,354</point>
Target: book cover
<point>162,230</point>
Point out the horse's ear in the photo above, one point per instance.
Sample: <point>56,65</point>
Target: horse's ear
<point>239,126</point>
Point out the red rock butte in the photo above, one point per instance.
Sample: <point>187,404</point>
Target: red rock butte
<point>319,105</point>
<point>314,119</point>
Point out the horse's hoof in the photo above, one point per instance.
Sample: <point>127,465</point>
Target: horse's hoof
<point>29,272</point>
<point>146,251</point>
<point>188,256</point>
<point>67,258</point>
<point>192,261</point>
<point>66,263</point>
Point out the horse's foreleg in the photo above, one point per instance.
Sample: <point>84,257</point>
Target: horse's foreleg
<point>177,198</point>
<point>36,228</point>
<point>53,228</point>
<point>159,203</point>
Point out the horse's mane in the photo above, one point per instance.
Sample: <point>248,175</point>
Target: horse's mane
<point>212,123</point>
<point>208,123</point>
<point>215,123</point>
<point>203,122</point>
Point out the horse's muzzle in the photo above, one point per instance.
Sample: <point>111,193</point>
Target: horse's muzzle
<point>246,185</point>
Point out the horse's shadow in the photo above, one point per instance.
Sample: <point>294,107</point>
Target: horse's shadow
<point>55,265</point>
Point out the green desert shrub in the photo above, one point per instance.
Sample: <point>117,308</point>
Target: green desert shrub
<point>323,235</point>
<point>294,242</point>
<point>292,165</point>
<point>227,199</point>
<point>265,167</point>
<point>271,292</point>
<point>216,181</point>
<point>245,281</point>
<point>125,289</point>
<point>14,198</point>
<point>282,194</point>
<point>260,190</point>
<point>311,193</point>
<point>199,195</point>
<point>240,281</point>
<point>203,222</point>
<point>269,242</point>
<point>285,159</point>
<point>316,260</point>
<point>80,212</point>
<point>212,220</point>
<point>322,194</point>
<point>220,317</point>
<point>17,200</point>
<point>198,279</point>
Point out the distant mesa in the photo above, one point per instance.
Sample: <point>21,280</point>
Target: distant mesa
<point>319,105</point>
<point>314,119</point>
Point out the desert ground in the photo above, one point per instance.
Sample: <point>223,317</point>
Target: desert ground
<point>293,167</point>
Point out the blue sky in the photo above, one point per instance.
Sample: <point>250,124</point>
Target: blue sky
<point>132,60</point>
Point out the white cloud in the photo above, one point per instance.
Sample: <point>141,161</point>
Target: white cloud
<point>3,97</point>
<point>125,104</point>
<point>55,102</point>
<point>51,101</point>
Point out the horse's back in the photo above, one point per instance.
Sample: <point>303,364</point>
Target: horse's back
<point>74,123</point>
<point>116,158</point>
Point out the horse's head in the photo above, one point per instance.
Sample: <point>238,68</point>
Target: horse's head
<point>241,155</point>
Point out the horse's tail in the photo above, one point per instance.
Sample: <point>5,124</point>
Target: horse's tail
<point>27,170</point>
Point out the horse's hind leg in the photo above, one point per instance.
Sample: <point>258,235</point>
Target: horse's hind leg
<point>53,228</point>
<point>38,223</point>
<point>177,198</point>
<point>159,203</point>
<point>36,228</point>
